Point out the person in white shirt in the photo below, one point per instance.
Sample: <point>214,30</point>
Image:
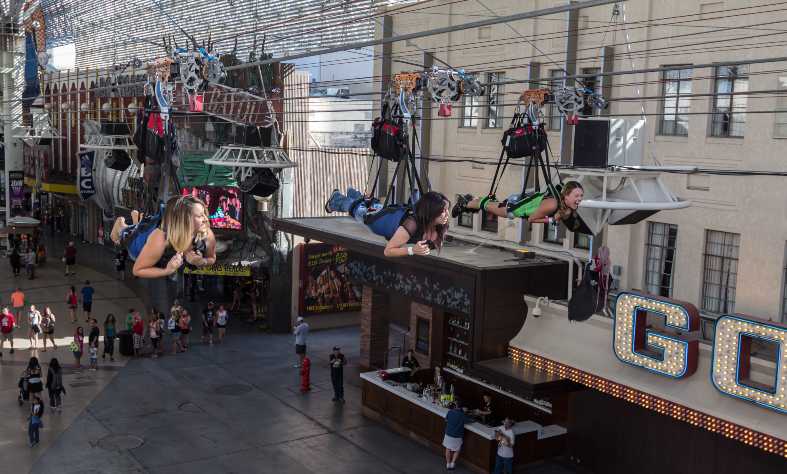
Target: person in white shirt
<point>301,332</point>
<point>504,462</point>
<point>34,318</point>
<point>221,322</point>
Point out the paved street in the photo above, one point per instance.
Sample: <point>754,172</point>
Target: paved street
<point>215,409</point>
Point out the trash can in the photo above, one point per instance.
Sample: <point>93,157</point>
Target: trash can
<point>126,343</point>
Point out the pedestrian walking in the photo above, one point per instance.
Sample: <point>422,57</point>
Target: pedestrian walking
<point>95,334</point>
<point>87,300</point>
<point>15,259</point>
<point>48,327</point>
<point>7,326</point>
<point>34,376</point>
<point>185,329</point>
<point>455,421</point>
<point>30,263</point>
<point>504,460</point>
<point>138,332</point>
<point>208,322</point>
<point>301,333</point>
<point>120,263</point>
<point>35,422</point>
<point>173,326</point>
<point>70,258</point>
<point>154,331</point>
<point>54,384</point>
<point>71,301</point>
<point>337,362</point>
<point>222,317</point>
<point>78,345</point>
<point>18,303</point>
<point>34,321</point>
<point>109,337</point>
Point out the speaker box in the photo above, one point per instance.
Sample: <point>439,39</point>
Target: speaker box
<point>591,144</point>
<point>118,160</point>
<point>115,128</point>
<point>262,183</point>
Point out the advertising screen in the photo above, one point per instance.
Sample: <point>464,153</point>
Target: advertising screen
<point>224,205</point>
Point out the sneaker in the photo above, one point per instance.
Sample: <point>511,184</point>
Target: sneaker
<point>328,207</point>
<point>459,207</point>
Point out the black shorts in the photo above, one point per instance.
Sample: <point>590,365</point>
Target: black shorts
<point>87,306</point>
<point>71,261</point>
<point>300,348</point>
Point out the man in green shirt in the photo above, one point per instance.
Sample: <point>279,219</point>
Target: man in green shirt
<point>130,319</point>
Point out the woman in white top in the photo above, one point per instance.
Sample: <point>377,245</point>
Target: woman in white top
<point>34,318</point>
<point>221,322</point>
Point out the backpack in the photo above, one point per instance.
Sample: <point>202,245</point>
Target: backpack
<point>522,139</point>
<point>389,139</point>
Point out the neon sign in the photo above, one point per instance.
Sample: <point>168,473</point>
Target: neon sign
<point>675,355</point>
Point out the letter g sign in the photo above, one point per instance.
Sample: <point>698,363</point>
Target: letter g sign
<point>671,354</point>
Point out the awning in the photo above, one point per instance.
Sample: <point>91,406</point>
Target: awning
<point>517,378</point>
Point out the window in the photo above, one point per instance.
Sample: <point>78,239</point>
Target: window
<point>494,93</point>
<point>676,86</point>
<point>465,220</point>
<point>780,122</point>
<point>554,119</point>
<point>422,335</point>
<point>488,222</point>
<point>471,108</point>
<point>660,258</point>
<point>720,271</point>
<point>581,241</point>
<point>729,101</point>
<point>554,233</point>
<point>593,83</point>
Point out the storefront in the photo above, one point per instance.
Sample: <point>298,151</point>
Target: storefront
<point>459,308</point>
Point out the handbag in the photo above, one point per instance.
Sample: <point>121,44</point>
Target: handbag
<point>73,347</point>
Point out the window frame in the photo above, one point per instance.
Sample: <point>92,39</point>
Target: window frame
<point>725,305</point>
<point>554,119</point>
<point>474,106</point>
<point>730,96</point>
<point>491,79</point>
<point>680,80</point>
<point>651,246</point>
<point>596,77</point>
<point>781,108</point>
<point>547,231</point>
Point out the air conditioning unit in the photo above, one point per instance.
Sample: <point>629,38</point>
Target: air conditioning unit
<point>602,142</point>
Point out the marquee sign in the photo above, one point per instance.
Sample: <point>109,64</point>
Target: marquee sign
<point>674,351</point>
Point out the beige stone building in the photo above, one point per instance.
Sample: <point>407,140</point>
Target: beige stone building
<point>726,253</point>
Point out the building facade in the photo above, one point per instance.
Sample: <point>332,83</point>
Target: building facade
<point>704,107</point>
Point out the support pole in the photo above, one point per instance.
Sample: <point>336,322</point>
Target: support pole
<point>385,79</point>
<point>567,131</point>
<point>425,127</point>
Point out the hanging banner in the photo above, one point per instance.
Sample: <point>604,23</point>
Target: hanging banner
<point>220,269</point>
<point>16,187</point>
<point>85,178</point>
<point>324,282</point>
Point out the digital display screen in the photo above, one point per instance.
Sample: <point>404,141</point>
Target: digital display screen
<point>224,205</point>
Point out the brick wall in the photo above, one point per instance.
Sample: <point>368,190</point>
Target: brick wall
<point>375,307</point>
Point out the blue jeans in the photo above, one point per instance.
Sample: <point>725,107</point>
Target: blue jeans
<point>503,465</point>
<point>32,429</point>
<point>343,202</point>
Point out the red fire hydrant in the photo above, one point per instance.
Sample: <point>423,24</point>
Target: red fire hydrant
<point>305,372</point>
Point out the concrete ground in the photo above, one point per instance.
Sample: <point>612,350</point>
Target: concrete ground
<point>230,408</point>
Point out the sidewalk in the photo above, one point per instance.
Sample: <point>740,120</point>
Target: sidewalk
<point>82,386</point>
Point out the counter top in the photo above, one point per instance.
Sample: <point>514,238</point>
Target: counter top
<point>482,430</point>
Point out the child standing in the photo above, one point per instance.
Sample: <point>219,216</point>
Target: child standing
<point>93,352</point>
